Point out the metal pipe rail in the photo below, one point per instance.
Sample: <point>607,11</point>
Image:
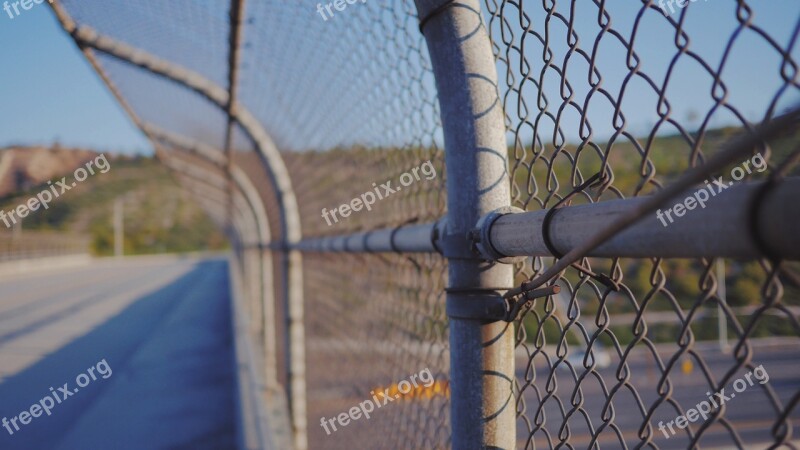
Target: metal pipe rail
<point>721,229</point>
<point>234,54</point>
<point>408,239</point>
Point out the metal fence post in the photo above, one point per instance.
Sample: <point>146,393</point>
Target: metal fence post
<point>293,284</point>
<point>257,299</point>
<point>481,351</point>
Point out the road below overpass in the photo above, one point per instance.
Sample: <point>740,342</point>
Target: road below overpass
<point>144,346</point>
<point>751,413</point>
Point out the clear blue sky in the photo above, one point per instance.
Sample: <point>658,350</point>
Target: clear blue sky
<point>49,92</point>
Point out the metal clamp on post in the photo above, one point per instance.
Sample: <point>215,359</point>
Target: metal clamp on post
<point>491,304</point>
<point>453,245</point>
<point>437,232</point>
<point>481,239</point>
<point>517,302</point>
<point>477,304</point>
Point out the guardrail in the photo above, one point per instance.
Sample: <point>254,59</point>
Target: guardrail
<point>33,244</point>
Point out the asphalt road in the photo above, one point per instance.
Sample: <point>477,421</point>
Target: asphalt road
<point>751,412</point>
<point>152,337</point>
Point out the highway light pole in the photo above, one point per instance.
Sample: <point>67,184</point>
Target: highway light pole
<point>119,232</point>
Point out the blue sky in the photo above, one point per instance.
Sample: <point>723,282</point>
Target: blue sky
<point>49,92</point>
<point>750,72</point>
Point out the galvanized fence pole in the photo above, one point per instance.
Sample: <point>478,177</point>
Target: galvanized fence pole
<point>292,262</point>
<point>481,350</point>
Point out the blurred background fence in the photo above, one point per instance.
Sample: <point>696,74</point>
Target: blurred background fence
<point>273,112</point>
<point>29,245</point>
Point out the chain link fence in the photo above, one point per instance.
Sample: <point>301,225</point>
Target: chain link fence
<point>36,244</point>
<point>600,104</point>
<point>640,93</point>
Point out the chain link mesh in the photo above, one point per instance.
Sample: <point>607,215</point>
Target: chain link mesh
<point>639,94</point>
<point>361,110</point>
<point>365,114</point>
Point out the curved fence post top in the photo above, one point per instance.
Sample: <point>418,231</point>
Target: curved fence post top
<point>481,357</point>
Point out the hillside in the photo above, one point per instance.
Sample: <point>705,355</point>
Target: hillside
<point>158,215</point>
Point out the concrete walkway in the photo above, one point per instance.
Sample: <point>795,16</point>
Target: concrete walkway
<point>163,327</point>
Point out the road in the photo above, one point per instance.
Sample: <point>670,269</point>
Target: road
<point>162,327</point>
<point>750,412</point>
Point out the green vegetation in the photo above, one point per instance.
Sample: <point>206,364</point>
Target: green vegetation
<point>158,216</point>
